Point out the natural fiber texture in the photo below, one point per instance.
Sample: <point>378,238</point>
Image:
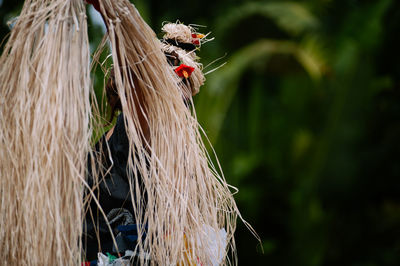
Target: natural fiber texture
<point>44,135</point>
<point>183,33</point>
<point>197,78</point>
<point>178,32</point>
<point>45,132</point>
<point>188,201</point>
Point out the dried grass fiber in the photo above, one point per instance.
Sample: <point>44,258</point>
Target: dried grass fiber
<point>44,134</point>
<point>185,192</point>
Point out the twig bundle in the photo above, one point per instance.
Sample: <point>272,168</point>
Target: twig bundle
<point>44,134</point>
<point>187,200</point>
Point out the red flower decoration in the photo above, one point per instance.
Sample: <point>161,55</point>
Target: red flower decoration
<point>196,41</point>
<point>184,71</point>
<point>196,38</point>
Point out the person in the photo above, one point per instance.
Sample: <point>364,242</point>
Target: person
<point>113,189</point>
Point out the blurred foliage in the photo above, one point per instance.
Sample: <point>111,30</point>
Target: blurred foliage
<point>305,118</point>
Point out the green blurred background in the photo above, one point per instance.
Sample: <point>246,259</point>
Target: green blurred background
<point>305,119</point>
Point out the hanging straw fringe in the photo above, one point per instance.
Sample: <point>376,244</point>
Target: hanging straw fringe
<point>44,134</point>
<point>187,198</point>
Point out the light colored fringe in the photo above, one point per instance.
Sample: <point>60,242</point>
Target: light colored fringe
<point>44,134</point>
<point>190,59</point>
<point>178,32</point>
<point>185,192</point>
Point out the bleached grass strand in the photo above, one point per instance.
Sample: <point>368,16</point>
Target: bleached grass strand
<point>44,134</point>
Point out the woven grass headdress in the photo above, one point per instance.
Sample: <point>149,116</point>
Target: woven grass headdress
<point>180,42</point>
<point>45,138</point>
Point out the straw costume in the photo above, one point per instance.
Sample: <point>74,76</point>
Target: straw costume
<point>178,198</point>
<point>113,191</point>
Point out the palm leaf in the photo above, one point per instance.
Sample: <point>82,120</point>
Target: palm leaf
<point>294,18</point>
<point>215,99</point>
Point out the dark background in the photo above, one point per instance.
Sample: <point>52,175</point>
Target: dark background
<point>305,118</point>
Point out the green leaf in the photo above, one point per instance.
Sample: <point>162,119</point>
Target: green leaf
<point>294,18</point>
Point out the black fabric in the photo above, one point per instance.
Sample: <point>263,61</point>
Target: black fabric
<point>185,46</point>
<point>112,193</point>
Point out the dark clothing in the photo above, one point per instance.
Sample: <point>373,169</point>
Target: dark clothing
<point>113,194</point>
